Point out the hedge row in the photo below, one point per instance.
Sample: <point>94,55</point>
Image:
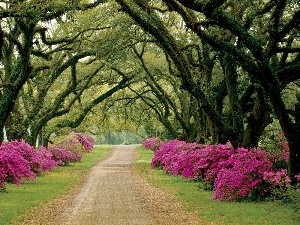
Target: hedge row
<point>19,160</point>
<point>233,174</point>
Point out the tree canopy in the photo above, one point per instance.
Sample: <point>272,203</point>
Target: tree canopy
<point>205,71</point>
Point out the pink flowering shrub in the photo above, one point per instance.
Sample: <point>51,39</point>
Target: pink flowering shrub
<point>278,180</point>
<point>167,155</point>
<point>76,143</point>
<point>73,145</point>
<point>86,140</point>
<point>45,161</point>
<point>233,174</point>
<point>212,160</point>
<point>61,156</point>
<point>182,162</point>
<point>191,160</point>
<point>24,149</point>
<point>242,175</point>
<point>39,161</point>
<point>19,160</point>
<point>152,143</point>
<point>13,166</point>
<point>185,161</point>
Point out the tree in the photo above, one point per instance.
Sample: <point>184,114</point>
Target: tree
<point>20,32</point>
<point>261,42</point>
<point>66,65</point>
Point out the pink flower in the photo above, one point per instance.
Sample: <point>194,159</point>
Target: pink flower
<point>236,174</point>
<point>85,140</point>
<point>13,166</point>
<point>152,143</point>
<point>61,156</point>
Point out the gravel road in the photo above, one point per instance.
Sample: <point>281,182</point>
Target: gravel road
<point>111,195</point>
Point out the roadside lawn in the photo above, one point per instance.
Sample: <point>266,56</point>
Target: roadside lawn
<point>215,212</point>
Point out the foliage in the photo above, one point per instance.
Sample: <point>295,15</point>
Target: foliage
<point>235,174</point>
<point>174,66</point>
<point>255,57</point>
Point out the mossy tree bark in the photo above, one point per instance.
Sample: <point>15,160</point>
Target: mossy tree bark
<point>257,50</point>
<point>152,24</point>
<point>262,50</point>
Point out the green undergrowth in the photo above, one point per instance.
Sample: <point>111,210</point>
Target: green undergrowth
<point>216,212</point>
<point>16,200</point>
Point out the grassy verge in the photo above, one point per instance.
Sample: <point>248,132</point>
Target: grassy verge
<point>19,199</point>
<point>215,212</point>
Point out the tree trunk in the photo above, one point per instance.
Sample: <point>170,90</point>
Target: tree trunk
<point>229,68</point>
<point>294,145</point>
<point>256,120</point>
<point>186,116</point>
<point>9,95</point>
<point>20,73</point>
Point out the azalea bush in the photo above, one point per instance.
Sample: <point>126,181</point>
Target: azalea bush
<point>74,146</point>
<point>212,160</point>
<point>242,175</point>
<point>61,155</point>
<point>44,161</point>
<point>19,160</point>
<point>38,161</point>
<point>152,143</point>
<point>191,160</point>
<point>233,174</point>
<point>167,155</point>
<point>85,140</point>
<point>13,166</point>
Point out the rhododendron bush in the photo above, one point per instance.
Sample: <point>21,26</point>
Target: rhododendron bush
<point>152,143</point>
<point>38,161</point>
<point>19,160</point>
<point>235,174</point>
<point>242,174</point>
<point>60,155</point>
<point>13,166</point>
<point>191,160</point>
<point>85,140</point>
<point>71,148</point>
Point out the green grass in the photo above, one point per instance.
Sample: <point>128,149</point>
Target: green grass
<point>216,212</point>
<point>18,199</point>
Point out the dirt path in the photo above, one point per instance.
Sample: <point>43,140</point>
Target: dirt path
<point>113,195</point>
